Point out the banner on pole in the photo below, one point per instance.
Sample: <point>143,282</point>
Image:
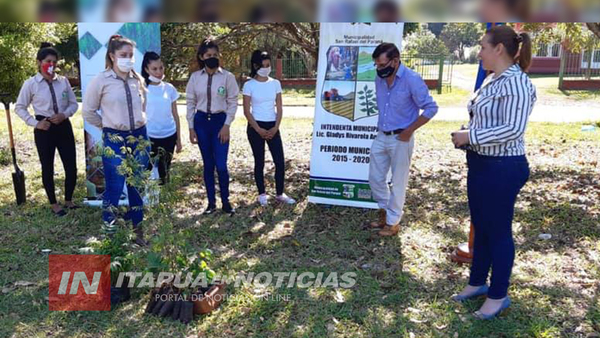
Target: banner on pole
<point>93,43</point>
<point>345,122</point>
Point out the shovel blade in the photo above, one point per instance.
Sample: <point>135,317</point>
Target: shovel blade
<point>19,184</point>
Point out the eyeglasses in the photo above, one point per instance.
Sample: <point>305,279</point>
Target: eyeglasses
<point>386,65</point>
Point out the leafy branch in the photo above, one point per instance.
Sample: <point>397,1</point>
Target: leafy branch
<point>367,97</point>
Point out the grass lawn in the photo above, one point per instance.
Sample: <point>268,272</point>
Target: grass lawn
<point>455,97</point>
<point>291,97</point>
<point>468,70</point>
<point>403,284</point>
<point>298,96</point>
<point>449,98</point>
<point>546,86</point>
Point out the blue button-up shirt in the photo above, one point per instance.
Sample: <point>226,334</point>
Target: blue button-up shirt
<point>399,104</point>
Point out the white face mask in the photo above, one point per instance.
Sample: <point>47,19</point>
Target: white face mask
<point>125,64</point>
<point>155,79</point>
<point>264,72</point>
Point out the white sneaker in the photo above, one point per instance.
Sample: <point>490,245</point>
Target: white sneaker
<point>286,199</point>
<point>263,200</point>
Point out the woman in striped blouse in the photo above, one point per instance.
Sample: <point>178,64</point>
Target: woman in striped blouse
<point>498,168</point>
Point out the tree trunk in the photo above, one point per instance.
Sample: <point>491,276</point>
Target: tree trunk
<point>594,27</point>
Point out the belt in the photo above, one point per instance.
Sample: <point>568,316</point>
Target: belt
<point>42,118</point>
<point>117,131</point>
<point>393,132</point>
<point>208,115</point>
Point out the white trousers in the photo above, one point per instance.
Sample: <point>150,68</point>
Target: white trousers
<point>387,152</point>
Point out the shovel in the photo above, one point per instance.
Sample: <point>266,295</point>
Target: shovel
<point>18,176</point>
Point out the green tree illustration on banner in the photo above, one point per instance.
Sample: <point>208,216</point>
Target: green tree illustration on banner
<point>367,102</point>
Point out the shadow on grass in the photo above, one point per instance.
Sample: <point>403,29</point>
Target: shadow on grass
<point>388,300</point>
<point>561,208</point>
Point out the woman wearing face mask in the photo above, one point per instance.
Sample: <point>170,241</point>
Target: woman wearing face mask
<point>161,113</point>
<point>211,95</point>
<point>498,168</point>
<point>261,95</point>
<point>53,102</point>
<point>119,92</point>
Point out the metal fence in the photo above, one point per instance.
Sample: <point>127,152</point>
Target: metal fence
<point>434,69</point>
<point>296,68</point>
<point>582,66</point>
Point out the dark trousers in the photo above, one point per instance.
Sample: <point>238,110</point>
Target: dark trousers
<point>214,154</point>
<point>257,143</point>
<point>493,184</point>
<point>115,181</point>
<point>47,142</point>
<point>162,154</point>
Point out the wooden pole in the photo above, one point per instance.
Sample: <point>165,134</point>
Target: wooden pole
<point>463,253</point>
<point>440,75</point>
<point>561,72</point>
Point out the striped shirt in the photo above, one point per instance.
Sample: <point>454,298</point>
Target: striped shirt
<point>499,112</point>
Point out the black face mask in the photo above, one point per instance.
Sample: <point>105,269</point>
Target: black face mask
<point>385,72</point>
<point>211,63</point>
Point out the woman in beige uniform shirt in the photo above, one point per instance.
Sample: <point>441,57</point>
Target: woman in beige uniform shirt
<point>211,96</point>
<point>119,93</point>
<point>53,102</point>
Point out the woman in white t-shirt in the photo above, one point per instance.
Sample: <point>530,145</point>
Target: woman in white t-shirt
<point>261,95</point>
<point>161,113</point>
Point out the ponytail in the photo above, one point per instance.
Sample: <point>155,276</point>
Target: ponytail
<point>524,55</point>
<point>517,45</point>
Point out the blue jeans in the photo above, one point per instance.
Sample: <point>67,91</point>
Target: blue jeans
<point>493,184</point>
<point>214,154</point>
<point>114,181</point>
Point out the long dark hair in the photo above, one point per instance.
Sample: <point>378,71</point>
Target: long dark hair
<point>512,40</point>
<point>204,46</point>
<point>256,61</point>
<point>115,43</point>
<point>148,57</point>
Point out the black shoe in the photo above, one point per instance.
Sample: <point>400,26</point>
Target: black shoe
<point>228,209</point>
<point>59,213</point>
<point>141,241</point>
<point>210,210</point>
<point>72,208</point>
<point>139,236</point>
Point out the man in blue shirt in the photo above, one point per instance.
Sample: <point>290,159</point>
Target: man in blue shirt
<point>401,95</point>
